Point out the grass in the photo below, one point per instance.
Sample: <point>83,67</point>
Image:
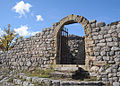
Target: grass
<point>10,79</point>
<point>39,73</point>
<point>91,79</point>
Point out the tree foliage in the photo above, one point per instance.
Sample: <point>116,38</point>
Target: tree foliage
<point>8,39</point>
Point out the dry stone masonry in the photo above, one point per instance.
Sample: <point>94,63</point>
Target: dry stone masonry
<point>76,47</point>
<point>102,49</point>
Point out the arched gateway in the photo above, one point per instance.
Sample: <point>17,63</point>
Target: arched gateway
<point>70,19</point>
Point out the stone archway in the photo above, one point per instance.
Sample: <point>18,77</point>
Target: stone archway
<point>70,19</point>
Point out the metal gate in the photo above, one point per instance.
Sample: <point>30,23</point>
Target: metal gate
<point>63,50</point>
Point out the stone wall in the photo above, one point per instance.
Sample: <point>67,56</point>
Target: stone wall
<point>106,50</point>
<point>32,52</point>
<point>76,47</point>
<point>102,47</point>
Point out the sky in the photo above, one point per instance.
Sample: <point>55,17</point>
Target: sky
<point>28,17</point>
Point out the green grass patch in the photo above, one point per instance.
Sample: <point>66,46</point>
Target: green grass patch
<point>91,79</point>
<point>10,79</point>
<point>39,73</point>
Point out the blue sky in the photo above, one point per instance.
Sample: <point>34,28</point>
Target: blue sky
<point>29,16</point>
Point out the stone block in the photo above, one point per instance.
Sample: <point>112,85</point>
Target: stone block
<point>106,58</point>
<point>100,24</point>
<point>111,62</point>
<point>55,82</point>
<point>109,39</point>
<point>115,79</point>
<point>103,53</point>
<point>95,37</point>
<point>96,29</point>
<point>96,53</point>
<point>92,21</point>
<point>101,44</point>
<point>102,41</point>
<point>106,48</point>
<point>117,59</point>
<point>100,36</point>
<point>110,75</point>
<point>112,53</point>
<point>104,79</point>
<point>107,35</point>
<point>112,44</point>
<point>93,25</point>
<point>97,49</point>
<point>114,70</point>
<point>115,48</point>
<point>99,58</point>
<point>116,83</point>
<point>26,83</point>
<point>101,69</point>
<point>99,63</point>
<point>94,68</point>
<point>118,74</point>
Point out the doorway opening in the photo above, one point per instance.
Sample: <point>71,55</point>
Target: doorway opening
<point>72,45</point>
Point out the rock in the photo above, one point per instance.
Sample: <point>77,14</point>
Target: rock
<point>112,44</point>
<point>93,25</point>
<point>31,85</point>
<point>55,83</point>
<point>100,36</point>
<point>97,49</point>
<point>118,74</point>
<point>115,48</point>
<point>92,21</point>
<point>107,36</point>
<point>94,68</point>
<point>112,53</point>
<point>105,79</point>
<point>116,84</point>
<point>28,63</point>
<point>100,24</point>
<point>26,83</point>
<point>95,37</point>
<point>35,79</point>
<point>29,79</point>
<point>115,79</point>
<point>101,69</point>
<point>103,53</point>
<point>117,59</point>
<point>109,39</point>
<point>47,82</point>
<point>99,58</point>
<point>106,58</point>
<point>19,82</point>
<point>1,77</point>
<point>114,70</point>
<point>101,44</point>
<point>111,62</point>
<point>110,75</point>
<point>109,70</point>
<point>96,53</point>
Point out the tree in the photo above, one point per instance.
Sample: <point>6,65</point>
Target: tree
<point>8,39</point>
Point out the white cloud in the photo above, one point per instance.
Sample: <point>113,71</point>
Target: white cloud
<point>23,31</point>
<point>22,7</point>
<point>1,32</point>
<point>39,18</point>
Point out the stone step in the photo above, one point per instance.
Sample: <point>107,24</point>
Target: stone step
<point>66,69</point>
<point>70,68</point>
<point>70,72</point>
<point>58,74</point>
<point>51,82</point>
